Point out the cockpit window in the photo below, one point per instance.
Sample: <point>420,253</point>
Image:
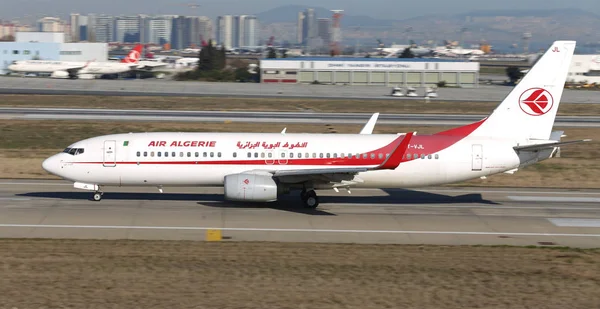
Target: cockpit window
<point>73,151</point>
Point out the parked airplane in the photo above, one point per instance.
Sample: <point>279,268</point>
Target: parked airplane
<point>257,167</point>
<point>82,70</point>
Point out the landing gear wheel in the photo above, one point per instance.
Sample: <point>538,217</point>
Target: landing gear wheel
<point>312,200</point>
<point>303,195</point>
<point>97,196</point>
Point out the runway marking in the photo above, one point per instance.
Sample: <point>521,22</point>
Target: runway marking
<point>555,199</point>
<point>574,222</point>
<point>198,228</point>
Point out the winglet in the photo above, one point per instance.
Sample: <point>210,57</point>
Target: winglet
<point>396,156</point>
<point>370,125</point>
<point>283,131</point>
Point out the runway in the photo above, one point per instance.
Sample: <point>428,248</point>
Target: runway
<point>151,87</point>
<point>262,117</point>
<point>445,216</point>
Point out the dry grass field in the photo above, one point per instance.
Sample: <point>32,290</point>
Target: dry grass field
<point>179,274</point>
<point>25,144</point>
<point>271,104</point>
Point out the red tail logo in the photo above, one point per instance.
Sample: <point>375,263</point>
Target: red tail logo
<point>536,101</point>
<point>134,55</point>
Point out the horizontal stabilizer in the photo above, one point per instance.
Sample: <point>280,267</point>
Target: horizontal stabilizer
<point>547,145</point>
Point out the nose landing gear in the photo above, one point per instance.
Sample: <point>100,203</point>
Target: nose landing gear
<point>98,196</point>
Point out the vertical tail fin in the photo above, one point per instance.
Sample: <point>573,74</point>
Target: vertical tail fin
<point>530,108</point>
<point>134,55</point>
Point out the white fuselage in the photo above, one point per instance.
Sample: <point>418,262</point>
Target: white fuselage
<point>204,159</point>
<point>43,66</point>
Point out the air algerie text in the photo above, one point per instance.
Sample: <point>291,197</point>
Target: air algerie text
<point>183,144</point>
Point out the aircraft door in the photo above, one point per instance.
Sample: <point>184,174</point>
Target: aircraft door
<point>110,153</point>
<point>477,164</point>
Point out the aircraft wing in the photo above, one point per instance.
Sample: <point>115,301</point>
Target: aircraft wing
<point>549,145</point>
<point>400,145</point>
<point>148,66</point>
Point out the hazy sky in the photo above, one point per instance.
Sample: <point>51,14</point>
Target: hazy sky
<point>388,9</point>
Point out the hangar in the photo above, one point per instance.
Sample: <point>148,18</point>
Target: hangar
<point>417,72</point>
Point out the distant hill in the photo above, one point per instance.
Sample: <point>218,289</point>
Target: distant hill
<point>289,14</point>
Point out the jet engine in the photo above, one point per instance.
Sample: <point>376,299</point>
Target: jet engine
<point>250,187</point>
<point>60,74</point>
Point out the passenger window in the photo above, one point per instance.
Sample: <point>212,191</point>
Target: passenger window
<point>138,154</point>
<point>436,156</point>
<point>422,156</point>
<point>145,153</point>
<point>270,154</point>
<point>235,154</point>
<point>173,154</point>
<point>380,156</point>
<point>328,155</point>
<point>158,153</point>
<point>364,155</point>
<point>181,153</point>
<point>152,153</point>
<point>256,154</point>
<point>189,154</point>
<point>343,155</point>
<point>197,154</point>
<point>387,155</point>
<point>249,155</point>
<point>372,156</point>
<point>262,154</point>
<point>335,155</point>
<point>299,155</point>
<point>291,154</point>
<point>408,156</point>
<point>212,154</point>
<point>205,154</point>
<point>219,154</point>
<point>320,155</point>
<point>314,155</point>
<point>429,157</point>
<point>283,154</point>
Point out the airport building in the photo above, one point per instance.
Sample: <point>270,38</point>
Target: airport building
<point>584,69</point>
<point>48,46</point>
<point>414,72</point>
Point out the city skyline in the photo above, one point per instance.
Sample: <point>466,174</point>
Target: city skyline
<point>379,9</point>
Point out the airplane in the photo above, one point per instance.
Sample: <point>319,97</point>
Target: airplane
<point>395,50</point>
<point>82,70</point>
<point>258,167</point>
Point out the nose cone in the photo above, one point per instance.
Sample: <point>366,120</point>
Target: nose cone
<point>51,165</point>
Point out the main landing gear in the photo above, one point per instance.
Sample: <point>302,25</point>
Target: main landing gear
<point>310,198</point>
<point>98,196</point>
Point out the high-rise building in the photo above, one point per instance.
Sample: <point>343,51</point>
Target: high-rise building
<point>309,27</point>
<point>103,30</point>
<point>300,28</point>
<point>225,31</point>
<point>50,24</point>
<point>129,29</point>
<point>178,32</point>
<point>247,31</point>
<point>158,29</point>
<point>205,29</point>
<point>75,27</point>
<point>324,30</point>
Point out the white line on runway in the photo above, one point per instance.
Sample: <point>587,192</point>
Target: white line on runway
<point>575,222</point>
<point>198,228</point>
<point>555,199</point>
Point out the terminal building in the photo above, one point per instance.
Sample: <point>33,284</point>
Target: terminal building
<point>415,72</point>
<point>48,46</point>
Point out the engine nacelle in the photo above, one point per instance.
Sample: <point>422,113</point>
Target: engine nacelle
<point>250,188</point>
<point>60,74</point>
<point>86,76</point>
